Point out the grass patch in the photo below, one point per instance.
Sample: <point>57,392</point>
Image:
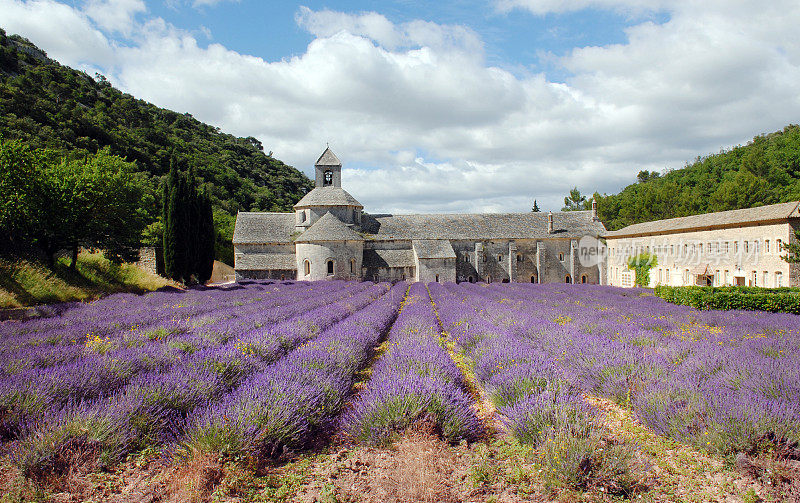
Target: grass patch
<point>25,282</point>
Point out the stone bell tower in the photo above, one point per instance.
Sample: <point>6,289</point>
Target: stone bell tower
<point>328,170</point>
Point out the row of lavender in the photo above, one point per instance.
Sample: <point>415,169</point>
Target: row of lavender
<point>415,379</point>
<point>142,395</point>
<point>720,380</point>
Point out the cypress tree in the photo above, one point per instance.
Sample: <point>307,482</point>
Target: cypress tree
<point>188,228</point>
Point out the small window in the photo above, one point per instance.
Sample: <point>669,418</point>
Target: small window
<point>735,247</point>
<point>328,177</point>
<point>484,257</point>
<point>778,245</point>
<point>283,277</point>
<point>766,246</point>
<point>533,279</point>
<point>701,248</point>
<point>306,267</point>
<point>302,216</point>
<point>567,279</point>
<point>471,279</point>
<point>352,266</point>
<point>467,258</point>
<point>747,246</point>
<point>561,257</point>
<point>437,278</point>
<point>778,280</point>
<point>489,279</point>
<point>500,258</point>
<point>330,266</point>
<point>519,257</point>
<point>583,278</point>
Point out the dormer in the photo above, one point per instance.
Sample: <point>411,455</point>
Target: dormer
<point>328,170</point>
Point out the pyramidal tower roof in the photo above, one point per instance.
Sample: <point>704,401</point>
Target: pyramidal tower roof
<point>328,158</point>
<point>329,228</point>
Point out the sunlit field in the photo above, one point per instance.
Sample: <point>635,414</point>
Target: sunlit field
<point>524,379</point>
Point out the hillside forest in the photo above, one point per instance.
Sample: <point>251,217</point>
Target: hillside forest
<point>60,113</point>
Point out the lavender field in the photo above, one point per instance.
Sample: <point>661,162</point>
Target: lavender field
<point>263,371</point>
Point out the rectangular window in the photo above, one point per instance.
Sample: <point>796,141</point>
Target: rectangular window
<point>765,279</point>
<point>727,278</point>
<point>755,246</point>
<point>778,280</point>
<point>667,276</point>
<point>660,276</point>
<point>701,248</point>
<point>727,247</point>
<point>747,246</point>
<point>735,247</point>
<point>766,246</point>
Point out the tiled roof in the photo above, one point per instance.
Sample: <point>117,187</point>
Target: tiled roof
<point>433,248</point>
<point>328,158</point>
<point>329,228</point>
<point>258,228</point>
<point>388,258</point>
<point>482,226</point>
<point>261,261</point>
<point>720,219</point>
<point>328,196</point>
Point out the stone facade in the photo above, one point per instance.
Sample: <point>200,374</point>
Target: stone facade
<point>740,247</point>
<point>329,236</point>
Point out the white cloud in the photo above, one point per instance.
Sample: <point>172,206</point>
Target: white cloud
<point>115,15</point>
<point>428,126</point>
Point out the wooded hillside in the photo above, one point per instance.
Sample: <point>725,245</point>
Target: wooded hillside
<point>47,105</point>
<point>765,171</point>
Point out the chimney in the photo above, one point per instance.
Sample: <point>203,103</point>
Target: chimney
<point>550,222</point>
<point>594,211</point>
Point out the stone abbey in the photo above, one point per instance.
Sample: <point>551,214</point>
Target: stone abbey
<point>329,236</point>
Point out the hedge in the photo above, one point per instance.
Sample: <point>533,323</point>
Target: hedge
<point>776,300</point>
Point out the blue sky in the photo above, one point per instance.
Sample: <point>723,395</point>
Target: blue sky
<point>450,106</point>
<point>514,40</point>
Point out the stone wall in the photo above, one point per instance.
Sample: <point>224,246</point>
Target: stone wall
<point>151,259</point>
<point>346,255</point>
<point>746,253</point>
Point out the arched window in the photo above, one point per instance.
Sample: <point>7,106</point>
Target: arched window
<point>328,178</point>
<point>437,278</point>
<point>499,257</point>
<point>330,267</point>
<point>567,279</point>
<point>533,279</point>
<point>471,279</point>
<point>489,278</point>
<point>519,257</point>
<point>352,266</point>
<point>561,257</point>
<point>306,267</point>
<point>583,279</point>
<point>467,258</point>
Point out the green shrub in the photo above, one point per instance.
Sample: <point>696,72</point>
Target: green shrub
<point>775,300</point>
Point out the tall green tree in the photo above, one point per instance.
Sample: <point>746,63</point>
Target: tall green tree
<point>575,201</point>
<point>188,228</point>
<point>535,208</point>
<point>93,201</point>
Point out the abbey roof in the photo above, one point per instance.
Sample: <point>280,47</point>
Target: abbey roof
<point>719,220</point>
<point>263,228</point>
<point>328,196</point>
<point>433,248</point>
<point>328,158</point>
<point>481,226</point>
<point>329,228</point>
<point>255,228</point>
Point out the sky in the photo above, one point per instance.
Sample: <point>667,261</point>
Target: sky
<point>450,106</point>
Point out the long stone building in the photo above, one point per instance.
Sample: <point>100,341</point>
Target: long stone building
<point>330,236</point>
<point>737,247</point>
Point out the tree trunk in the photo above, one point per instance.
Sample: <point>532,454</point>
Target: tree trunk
<point>74,263</point>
